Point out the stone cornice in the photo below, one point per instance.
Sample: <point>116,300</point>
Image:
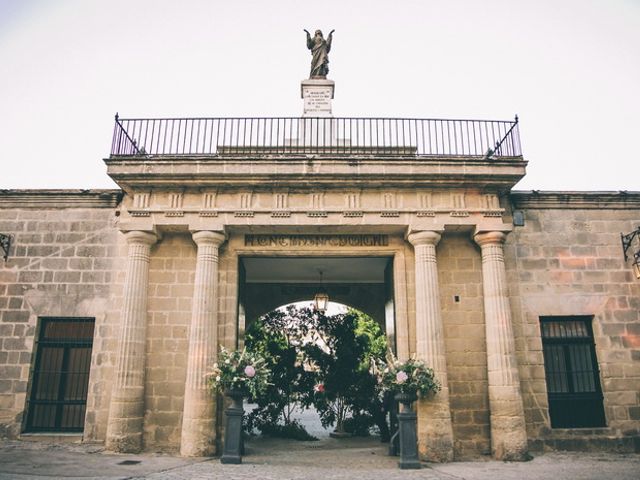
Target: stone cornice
<point>575,200</point>
<point>322,172</point>
<point>49,198</point>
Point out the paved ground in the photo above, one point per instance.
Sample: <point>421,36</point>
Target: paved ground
<point>268,459</point>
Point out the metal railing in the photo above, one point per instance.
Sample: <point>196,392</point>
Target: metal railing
<point>315,136</point>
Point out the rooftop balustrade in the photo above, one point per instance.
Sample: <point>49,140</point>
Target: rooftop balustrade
<point>316,136</point>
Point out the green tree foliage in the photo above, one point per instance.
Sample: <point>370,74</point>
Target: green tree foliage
<point>352,343</point>
<point>319,360</point>
<point>277,336</point>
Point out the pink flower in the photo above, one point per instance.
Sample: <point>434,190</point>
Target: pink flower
<point>249,371</point>
<point>319,388</point>
<point>401,377</point>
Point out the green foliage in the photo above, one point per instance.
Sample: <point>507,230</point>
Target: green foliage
<point>359,424</point>
<point>240,370</point>
<point>293,430</point>
<point>277,337</point>
<point>349,345</point>
<point>411,376</point>
<point>319,360</point>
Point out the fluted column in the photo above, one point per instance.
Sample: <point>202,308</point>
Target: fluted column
<point>126,410</point>
<point>435,434</point>
<point>198,419</point>
<point>508,429</point>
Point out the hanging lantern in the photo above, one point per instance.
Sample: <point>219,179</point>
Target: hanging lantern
<point>321,298</point>
<point>636,266</point>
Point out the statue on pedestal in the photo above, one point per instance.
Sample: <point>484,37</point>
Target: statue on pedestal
<point>320,49</point>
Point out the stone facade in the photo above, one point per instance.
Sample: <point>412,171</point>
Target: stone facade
<point>157,268</point>
<point>65,261</point>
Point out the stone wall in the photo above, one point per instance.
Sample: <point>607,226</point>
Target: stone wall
<point>460,277</point>
<point>68,259</point>
<point>567,260</point>
<point>171,278</point>
<point>63,260</point>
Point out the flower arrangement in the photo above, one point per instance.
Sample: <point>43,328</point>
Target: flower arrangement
<point>409,377</point>
<point>240,370</point>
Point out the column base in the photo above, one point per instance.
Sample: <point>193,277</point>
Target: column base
<point>435,430</point>
<point>509,439</point>
<point>131,443</point>
<point>124,429</point>
<point>198,438</point>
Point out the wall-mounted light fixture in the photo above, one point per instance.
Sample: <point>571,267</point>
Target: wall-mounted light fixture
<point>5,244</point>
<point>627,240</point>
<point>321,298</point>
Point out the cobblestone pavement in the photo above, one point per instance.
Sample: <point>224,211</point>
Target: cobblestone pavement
<point>269,459</point>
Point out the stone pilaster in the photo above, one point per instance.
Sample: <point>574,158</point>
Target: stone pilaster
<point>198,419</point>
<point>508,428</point>
<point>126,410</point>
<point>435,434</point>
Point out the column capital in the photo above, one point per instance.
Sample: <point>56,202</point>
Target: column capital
<point>495,237</point>
<point>208,237</point>
<point>424,237</point>
<point>140,236</point>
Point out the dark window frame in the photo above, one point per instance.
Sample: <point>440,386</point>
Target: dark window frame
<point>60,394</point>
<point>572,372</point>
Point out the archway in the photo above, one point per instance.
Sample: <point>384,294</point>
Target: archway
<point>266,283</point>
<point>364,283</point>
<point>322,362</point>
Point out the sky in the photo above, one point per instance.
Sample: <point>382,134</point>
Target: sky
<point>570,69</point>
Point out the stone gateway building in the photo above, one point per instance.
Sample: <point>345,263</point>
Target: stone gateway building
<point>113,303</point>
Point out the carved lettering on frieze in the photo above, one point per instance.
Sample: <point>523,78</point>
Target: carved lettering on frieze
<point>259,240</point>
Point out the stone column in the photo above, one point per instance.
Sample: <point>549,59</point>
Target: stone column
<point>198,419</point>
<point>434,414</point>
<point>508,429</point>
<point>126,410</point>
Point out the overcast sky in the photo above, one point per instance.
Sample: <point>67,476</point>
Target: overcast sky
<point>569,68</point>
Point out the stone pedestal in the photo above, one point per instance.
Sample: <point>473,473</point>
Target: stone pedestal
<point>198,418</point>
<point>126,410</point>
<point>435,430</point>
<point>317,128</point>
<point>317,95</point>
<point>508,428</point>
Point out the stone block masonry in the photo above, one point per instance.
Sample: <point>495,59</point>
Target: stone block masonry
<point>567,260</point>
<point>63,262</point>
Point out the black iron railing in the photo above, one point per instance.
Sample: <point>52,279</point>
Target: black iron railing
<point>315,136</point>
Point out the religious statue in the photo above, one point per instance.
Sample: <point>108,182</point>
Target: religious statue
<point>320,49</point>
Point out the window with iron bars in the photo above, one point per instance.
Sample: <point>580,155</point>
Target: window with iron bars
<point>60,375</point>
<point>571,369</point>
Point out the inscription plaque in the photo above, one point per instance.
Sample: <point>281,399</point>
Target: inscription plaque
<point>256,240</point>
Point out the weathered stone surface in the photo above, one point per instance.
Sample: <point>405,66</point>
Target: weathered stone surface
<point>565,260</point>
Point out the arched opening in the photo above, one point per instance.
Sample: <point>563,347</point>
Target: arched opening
<point>360,291</point>
<point>323,374</point>
<point>364,283</point>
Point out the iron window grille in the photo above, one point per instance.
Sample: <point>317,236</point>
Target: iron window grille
<point>571,370</point>
<point>60,377</point>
